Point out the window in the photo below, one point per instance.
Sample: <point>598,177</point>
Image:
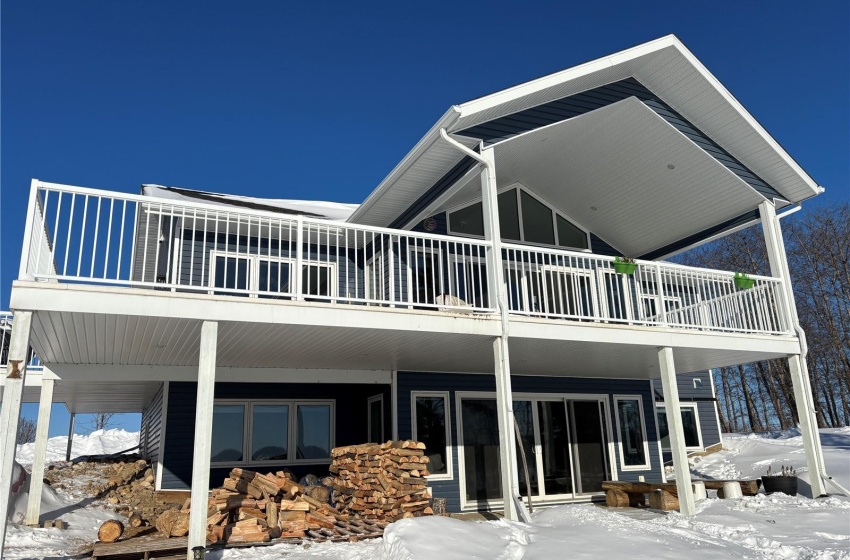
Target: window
<point>376,278</point>
<point>260,432</point>
<point>690,423</point>
<point>468,277</point>
<point>522,217</point>
<point>256,273</point>
<point>634,451</point>
<point>376,419</point>
<point>431,427</point>
<point>424,275</point>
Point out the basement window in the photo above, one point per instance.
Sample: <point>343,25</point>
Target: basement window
<point>690,423</point>
<point>634,450</point>
<point>431,423</point>
<point>260,432</point>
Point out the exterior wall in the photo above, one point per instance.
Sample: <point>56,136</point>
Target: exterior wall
<point>350,414</point>
<point>152,428</point>
<point>704,398</point>
<point>452,383</point>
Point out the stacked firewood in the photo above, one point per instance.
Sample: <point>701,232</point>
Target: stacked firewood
<point>384,482</point>
<point>251,507</point>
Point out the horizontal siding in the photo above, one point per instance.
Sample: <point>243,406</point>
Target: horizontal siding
<point>351,423</point>
<point>450,489</point>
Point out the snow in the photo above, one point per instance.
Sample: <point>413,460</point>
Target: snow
<point>99,442</point>
<point>772,527</point>
<point>337,211</point>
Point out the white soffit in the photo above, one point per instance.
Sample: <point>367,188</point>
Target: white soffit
<point>673,73</point>
<point>616,159</point>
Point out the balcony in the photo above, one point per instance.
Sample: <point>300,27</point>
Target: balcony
<point>83,236</point>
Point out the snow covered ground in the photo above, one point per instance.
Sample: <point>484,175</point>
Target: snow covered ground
<point>99,442</point>
<point>776,526</point>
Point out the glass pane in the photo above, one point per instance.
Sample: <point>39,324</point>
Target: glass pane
<point>470,278</point>
<point>316,279</point>
<point>482,472</point>
<point>376,422</point>
<point>431,430</point>
<point>424,277</point>
<point>509,215</point>
<point>689,422</point>
<point>524,414</point>
<point>568,294</point>
<point>270,433</point>
<point>663,429</point>
<point>274,276</point>
<point>554,440</point>
<point>536,220</point>
<point>232,273</point>
<point>468,221</point>
<point>314,431</point>
<point>227,433</point>
<point>569,235</point>
<point>631,432</point>
<point>616,303</point>
<point>590,446</point>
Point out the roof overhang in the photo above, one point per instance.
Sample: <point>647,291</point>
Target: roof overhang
<point>664,66</point>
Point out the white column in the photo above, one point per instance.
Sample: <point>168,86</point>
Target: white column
<point>501,356</point>
<point>10,412</point>
<point>797,363</point>
<point>203,436</point>
<point>71,424</point>
<point>45,403</point>
<point>677,432</point>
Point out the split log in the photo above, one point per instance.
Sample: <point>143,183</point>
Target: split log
<point>173,523</point>
<point>110,531</point>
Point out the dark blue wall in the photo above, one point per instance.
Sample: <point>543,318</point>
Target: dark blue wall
<point>450,489</point>
<point>350,415</point>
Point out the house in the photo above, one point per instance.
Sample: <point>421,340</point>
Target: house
<point>477,293</point>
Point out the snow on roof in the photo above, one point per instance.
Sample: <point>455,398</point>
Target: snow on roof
<point>337,211</point>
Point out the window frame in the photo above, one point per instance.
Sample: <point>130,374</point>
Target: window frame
<point>551,207</point>
<point>648,460</point>
<point>254,275</point>
<point>375,398</point>
<point>439,277</point>
<point>463,260</point>
<point>659,406</point>
<point>292,431</point>
<point>449,475</point>
<point>375,267</point>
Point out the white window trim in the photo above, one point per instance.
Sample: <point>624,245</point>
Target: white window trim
<point>695,407</point>
<point>573,271</point>
<point>376,260</point>
<point>376,398</point>
<point>555,212</point>
<point>438,288</point>
<point>463,260</point>
<point>448,414</point>
<point>648,465</point>
<point>604,275</point>
<point>247,431</point>
<point>254,273</point>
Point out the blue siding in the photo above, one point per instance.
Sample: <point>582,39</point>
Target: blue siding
<point>151,428</point>
<point>350,415</point>
<point>450,489</point>
<point>703,396</point>
<point>581,103</point>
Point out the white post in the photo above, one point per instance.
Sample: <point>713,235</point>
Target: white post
<point>501,356</point>
<point>10,412</point>
<point>677,432</point>
<point>71,424</point>
<point>797,363</point>
<point>203,436</point>
<point>45,403</point>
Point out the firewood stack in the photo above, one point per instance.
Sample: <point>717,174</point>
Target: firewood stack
<point>383,482</point>
<point>251,507</point>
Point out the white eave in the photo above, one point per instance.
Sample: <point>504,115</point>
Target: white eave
<point>664,65</point>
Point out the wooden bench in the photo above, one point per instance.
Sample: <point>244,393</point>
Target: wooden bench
<point>662,495</point>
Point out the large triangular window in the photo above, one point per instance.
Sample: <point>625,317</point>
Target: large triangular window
<point>522,217</point>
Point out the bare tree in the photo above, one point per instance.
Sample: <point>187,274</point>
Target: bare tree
<point>101,420</point>
<point>26,431</point>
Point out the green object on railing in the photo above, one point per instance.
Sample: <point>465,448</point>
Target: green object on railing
<point>743,281</point>
<point>624,265</point>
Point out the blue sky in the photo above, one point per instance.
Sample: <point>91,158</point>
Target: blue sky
<point>321,100</point>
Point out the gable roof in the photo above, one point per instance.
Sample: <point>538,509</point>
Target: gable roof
<point>665,70</point>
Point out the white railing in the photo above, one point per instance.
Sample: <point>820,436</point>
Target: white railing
<point>587,287</point>
<point>6,319</point>
<point>89,236</point>
<point>99,237</point>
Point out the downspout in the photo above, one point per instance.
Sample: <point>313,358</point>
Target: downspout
<point>501,302</point>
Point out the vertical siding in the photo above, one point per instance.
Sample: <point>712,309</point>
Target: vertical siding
<point>152,428</point>
<point>450,489</point>
<point>350,414</point>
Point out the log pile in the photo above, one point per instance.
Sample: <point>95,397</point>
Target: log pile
<point>383,482</point>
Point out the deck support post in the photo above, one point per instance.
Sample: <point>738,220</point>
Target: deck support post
<point>10,412</point>
<point>687,504</point>
<point>203,436</point>
<point>71,423</point>
<point>45,403</point>
<point>800,381</point>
